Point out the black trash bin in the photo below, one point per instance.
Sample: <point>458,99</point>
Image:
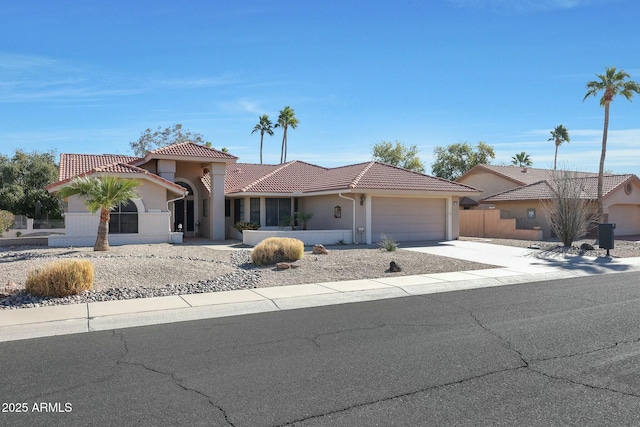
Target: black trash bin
<point>605,236</point>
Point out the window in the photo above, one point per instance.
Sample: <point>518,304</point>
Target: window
<point>238,210</point>
<point>277,210</point>
<point>124,218</point>
<point>227,208</point>
<point>254,212</point>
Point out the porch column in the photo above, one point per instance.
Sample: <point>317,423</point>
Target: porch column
<point>367,218</point>
<point>216,201</point>
<point>449,213</point>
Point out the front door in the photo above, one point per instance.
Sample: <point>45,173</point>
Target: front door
<point>184,213</point>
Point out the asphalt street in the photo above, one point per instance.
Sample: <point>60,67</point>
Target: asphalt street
<point>563,352</point>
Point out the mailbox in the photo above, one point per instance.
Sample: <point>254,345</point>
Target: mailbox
<point>605,236</point>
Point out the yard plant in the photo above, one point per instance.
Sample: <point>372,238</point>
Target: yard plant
<point>60,278</point>
<point>277,249</point>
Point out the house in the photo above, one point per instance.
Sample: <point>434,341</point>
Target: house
<point>496,179</point>
<point>620,198</point>
<point>192,190</point>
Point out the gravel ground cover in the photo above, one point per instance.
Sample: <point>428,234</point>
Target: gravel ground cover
<point>623,248</point>
<point>138,271</point>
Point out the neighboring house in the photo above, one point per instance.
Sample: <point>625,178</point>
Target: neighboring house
<point>621,201</point>
<point>495,179</point>
<point>177,194</point>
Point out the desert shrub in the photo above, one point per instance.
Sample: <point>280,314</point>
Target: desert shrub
<point>6,221</point>
<point>277,249</point>
<point>60,278</point>
<point>241,226</point>
<point>387,243</point>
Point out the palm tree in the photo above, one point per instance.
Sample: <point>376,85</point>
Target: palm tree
<point>103,194</point>
<point>612,83</point>
<point>286,119</point>
<point>559,135</point>
<point>263,126</point>
<point>521,159</point>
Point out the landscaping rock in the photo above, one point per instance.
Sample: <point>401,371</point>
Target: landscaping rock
<point>586,247</point>
<point>283,265</point>
<point>394,268</point>
<point>320,250</point>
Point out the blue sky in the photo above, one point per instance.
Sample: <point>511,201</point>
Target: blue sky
<point>89,76</point>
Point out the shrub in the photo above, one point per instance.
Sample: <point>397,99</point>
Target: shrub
<point>277,249</point>
<point>18,233</point>
<point>6,221</point>
<point>60,278</point>
<point>387,243</point>
<point>241,226</point>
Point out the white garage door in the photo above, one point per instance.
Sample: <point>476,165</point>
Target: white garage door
<point>408,219</point>
<point>626,218</point>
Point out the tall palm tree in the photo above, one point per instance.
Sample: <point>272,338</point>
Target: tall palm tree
<point>264,126</point>
<point>613,83</point>
<point>521,159</point>
<point>101,194</point>
<point>559,135</point>
<point>286,119</point>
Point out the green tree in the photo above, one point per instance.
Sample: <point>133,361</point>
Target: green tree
<point>286,119</point>
<point>264,126</point>
<point>611,83</point>
<point>559,135</point>
<point>455,159</point>
<point>23,178</point>
<point>101,194</point>
<point>521,159</point>
<point>150,140</point>
<point>398,155</point>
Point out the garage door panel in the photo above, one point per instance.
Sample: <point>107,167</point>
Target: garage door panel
<point>408,219</point>
<point>626,218</point>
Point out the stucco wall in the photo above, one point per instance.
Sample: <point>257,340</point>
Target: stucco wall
<point>489,183</point>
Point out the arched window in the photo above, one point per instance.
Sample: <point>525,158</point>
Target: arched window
<point>124,218</point>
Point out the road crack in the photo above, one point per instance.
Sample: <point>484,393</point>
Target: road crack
<point>177,381</point>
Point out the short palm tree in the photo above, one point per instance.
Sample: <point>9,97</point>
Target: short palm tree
<point>286,119</point>
<point>559,135</point>
<point>521,159</point>
<point>103,194</point>
<point>612,83</point>
<point>264,126</point>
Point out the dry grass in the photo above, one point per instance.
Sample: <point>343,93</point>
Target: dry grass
<point>60,278</point>
<point>277,249</point>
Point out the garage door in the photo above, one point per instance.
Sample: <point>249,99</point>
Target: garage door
<point>408,219</point>
<point>626,218</point>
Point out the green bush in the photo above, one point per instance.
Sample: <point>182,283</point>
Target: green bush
<point>387,243</point>
<point>60,278</point>
<point>241,226</point>
<point>277,249</point>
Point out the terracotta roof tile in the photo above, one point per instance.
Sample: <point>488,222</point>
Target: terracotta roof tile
<point>520,175</point>
<point>75,164</point>
<point>190,149</point>
<point>303,177</point>
<point>542,189</point>
<point>121,168</point>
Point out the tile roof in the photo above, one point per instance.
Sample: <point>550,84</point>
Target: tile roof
<point>301,177</point>
<point>72,165</point>
<point>520,175</point>
<point>120,169</point>
<point>189,149</point>
<point>542,189</point>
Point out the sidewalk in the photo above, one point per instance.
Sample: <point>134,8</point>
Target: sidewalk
<point>518,265</point>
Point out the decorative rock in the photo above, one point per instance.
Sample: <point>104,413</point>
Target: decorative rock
<point>394,268</point>
<point>283,265</point>
<point>320,250</point>
<point>586,247</point>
